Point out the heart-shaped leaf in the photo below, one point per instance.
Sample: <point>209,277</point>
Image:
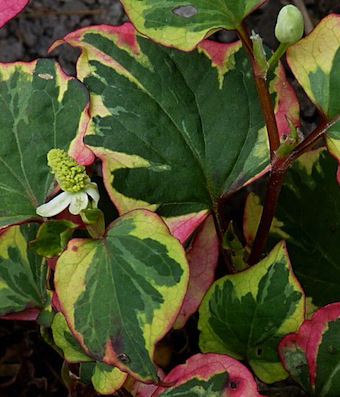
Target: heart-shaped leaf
<point>22,272</point>
<point>121,294</point>
<point>184,23</point>
<point>202,257</point>
<point>315,62</point>
<point>105,379</point>
<point>10,9</point>
<point>308,217</point>
<point>41,108</point>
<point>212,375</point>
<point>245,315</point>
<point>312,355</point>
<point>168,126</point>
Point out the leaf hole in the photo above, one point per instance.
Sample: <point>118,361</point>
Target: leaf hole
<point>233,385</point>
<point>185,11</point>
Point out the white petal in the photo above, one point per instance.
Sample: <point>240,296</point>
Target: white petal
<point>55,206</point>
<point>92,191</point>
<point>79,202</point>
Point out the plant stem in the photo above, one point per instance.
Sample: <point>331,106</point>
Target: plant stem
<point>269,208</point>
<point>279,168</point>
<point>275,58</point>
<point>264,95</point>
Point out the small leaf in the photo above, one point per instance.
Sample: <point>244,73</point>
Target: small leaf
<point>121,294</point>
<point>202,257</point>
<point>52,238</point>
<point>170,155</point>
<point>22,272</point>
<point>315,62</point>
<point>183,24</point>
<point>245,315</point>
<point>105,379</point>
<point>41,108</point>
<point>312,355</point>
<point>10,9</point>
<point>308,218</point>
<point>210,375</point>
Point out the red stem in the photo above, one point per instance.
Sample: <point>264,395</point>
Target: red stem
<point>264,95</point>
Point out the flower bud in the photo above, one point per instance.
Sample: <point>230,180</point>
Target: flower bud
<point>290,25</point>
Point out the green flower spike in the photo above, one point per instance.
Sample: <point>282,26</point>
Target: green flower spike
<point>74,182</point>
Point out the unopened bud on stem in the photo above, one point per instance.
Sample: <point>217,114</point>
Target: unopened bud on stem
<point>290,25</point>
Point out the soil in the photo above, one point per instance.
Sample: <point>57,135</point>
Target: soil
<point>28,366</point>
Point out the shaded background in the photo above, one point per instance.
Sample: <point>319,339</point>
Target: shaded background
<point>28,366</point>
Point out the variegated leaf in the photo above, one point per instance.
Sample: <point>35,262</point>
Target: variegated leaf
<point>184,23</point>
<point>22,272</point>
<point>41,108</point>
<point>105,379</point>
<point>312,355</point>
<point>121,294</point>
<point>212,375</point>
<point>308,217</point>
<point>154,124</point>
<point>315,62</point>
<point>245,315</point>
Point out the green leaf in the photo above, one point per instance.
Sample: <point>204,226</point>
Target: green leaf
<point>52,238</point>
<point>105,379</point>
<point>184,23</point>
<point>212,375</point>
<point>308,216</point>
<point>41,108</point>
<point>121,294</point>
<point>171,155</point>
<point>315,62</point>
<point>245,315</point>
<point>22,272</point>
<point>312,355</point>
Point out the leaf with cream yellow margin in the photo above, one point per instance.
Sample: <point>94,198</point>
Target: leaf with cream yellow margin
<point>22,272</point>
<point>245,315</point>
<point>154,125</point>
<point>315,62</point>
<point>41,108</point>
<point>184,23</point>
<point>120,295</point>
<point>105,379</point>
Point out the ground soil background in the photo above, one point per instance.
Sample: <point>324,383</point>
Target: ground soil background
<point>28,366</point>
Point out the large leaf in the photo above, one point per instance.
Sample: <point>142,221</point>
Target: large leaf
<point>121,294</point>
<point>22,272</point>
<point>105,379</point>
<point>245,315</point>
<point>174,131</point>
<point>308,216</point>
<point>184,23</point>
<point>315,62</point>
<point>202,257</point>
<point>41,108</point>
<point>212,375</point>
<point>312,355</point>
<point>9,9</point>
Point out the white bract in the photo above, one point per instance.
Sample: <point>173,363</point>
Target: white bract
<point>75,183</point>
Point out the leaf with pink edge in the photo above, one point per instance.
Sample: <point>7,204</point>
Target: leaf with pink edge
<point>121,294</point>
<point>171,155</point>
<point>312,355</point>
<point>212,375</point>
<point>315,62</point>
<point>41,108</point>
<point>202,257</point>
<point>9,9</point>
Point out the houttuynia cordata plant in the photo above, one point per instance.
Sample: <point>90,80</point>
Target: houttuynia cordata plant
<point>169,126</point>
